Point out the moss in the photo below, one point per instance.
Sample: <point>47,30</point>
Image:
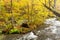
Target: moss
<point>14,31</point>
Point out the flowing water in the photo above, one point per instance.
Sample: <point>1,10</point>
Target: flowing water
<point>52,32</point>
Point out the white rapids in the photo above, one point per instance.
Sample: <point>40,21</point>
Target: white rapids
<point>29,36</point>
<point>54,27</point>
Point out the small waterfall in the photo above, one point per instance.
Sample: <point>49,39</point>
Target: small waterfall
<point>29,36</point>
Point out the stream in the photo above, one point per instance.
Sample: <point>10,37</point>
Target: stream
<point>52,32</point>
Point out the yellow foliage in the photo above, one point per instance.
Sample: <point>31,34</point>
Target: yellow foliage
<point>32,10</point>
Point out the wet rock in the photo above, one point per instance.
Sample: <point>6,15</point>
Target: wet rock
<point>48,39</point>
